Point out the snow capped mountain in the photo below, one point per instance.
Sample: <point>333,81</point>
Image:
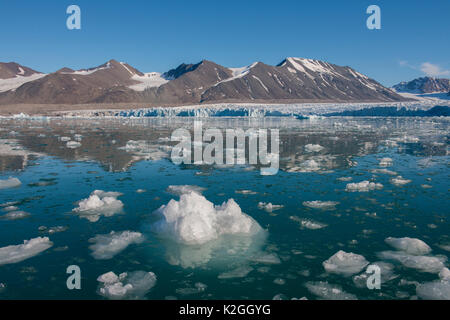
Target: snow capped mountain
<point>13,75</point>
<point>293,80</point>
<point>424,85</point>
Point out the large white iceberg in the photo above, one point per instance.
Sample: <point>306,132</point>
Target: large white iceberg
<point>133,285</point>
<point>20,252</point>
<point>10,183</point>
<point>345,263</point>
<point>99,203</point>
<point>106,246</point>
<point>194,220</point>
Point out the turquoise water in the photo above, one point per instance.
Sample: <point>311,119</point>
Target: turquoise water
<point>54,178</point>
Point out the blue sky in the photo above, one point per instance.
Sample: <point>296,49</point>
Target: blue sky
<point>159,35</point>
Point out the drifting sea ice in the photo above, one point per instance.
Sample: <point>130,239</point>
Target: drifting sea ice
<point>386,162</point>
<point>434,290</point>
<point>409,245</point>
<point>421,263</point>
<point>99,203</point>
<point>73,144</point>
<point>15,215</point>
<point>323,205</point>
<point>327,291</point>
<point>399,181</point>
<point>20,252</point>
<point>313,148</point>
<point>182,189</point>
<point>308,223</point>
<point>345,263</point>
<point>386,273</point>
<point>10,183</point>
<point>195,220</point>
<point>363,186</point>
<point>133,285</point>
<point>269,207</point>
<point>239,272</point>
<point>106,246</point>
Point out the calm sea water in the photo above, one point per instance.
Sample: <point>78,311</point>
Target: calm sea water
<point>54,177</point>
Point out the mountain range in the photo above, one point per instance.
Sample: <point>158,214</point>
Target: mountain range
<point>424,85</point>
<point>291,81</point>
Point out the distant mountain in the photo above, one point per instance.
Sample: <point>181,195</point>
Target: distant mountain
<point>424,85</point>
<point>13,75</point>
<point>293,80</point>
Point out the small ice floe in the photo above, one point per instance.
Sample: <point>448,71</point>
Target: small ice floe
<point>15,215</point>
<point>141,191</point>
<point>65,139</point>
<point>106,246</point>
<point>20,252</point>
<point>250,192</point>
<point>182,189</point>
<point>386,274</point>
<point>436,290</point>
<point>323,205</point>
<point>10,183</point>
<point>430,264</point>
<point>384,171</point>
<point>99,203</point>
<point>345,263</point>
<point>386,162</point>
<point>73,144</point>
<point>409,245</point>
<point>145,150</point>
<point>194,220</point>
<point>132,285</point>
<point>308,223</point>
<point>239,272</point>
<point>327,291</point>
<point>198,288</point>
<point>266,258</point>
<point>363,186</point>
<point>53,230</point>
<point>399,181</point>
<point>313,148</point>
<point>269,207</point>
<point>279,281</point>
<point>345,179</point>
<point>10,208</point>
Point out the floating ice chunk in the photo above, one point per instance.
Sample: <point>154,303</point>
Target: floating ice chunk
<point>181,189</point>
<point>399,181</point>
<point>363,186</point>
<point>269,207</point>
<point>386,274</point>
<point>20,252</point>
<point>10,183</point>
<point>434,290</point>
<point>266,258</point>
<point>409,245</point>
<point>444,274</point>
<point>386,162</point>
<point>99,203</point>
<point>239,272</point>
<point>73,144</point>
<point>345,263</point>
<point>309,166</point>
<point>10,208</point>
<point>420,263</point>
<point>323,205</point>
<point>308,223</point>
<point>106,246</point>
<point>2,287</point>
<point>384,171</point>
<point>195,220</point>
<point>198,288</point>
<point>64,139</point>
<point>327,291</point>
<point>345,178</point>
<point>133,285</point>
<point>246,192</point>
<point>15,215</point>
<point>313,148</point>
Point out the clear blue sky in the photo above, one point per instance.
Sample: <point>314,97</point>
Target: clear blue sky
<point>159,35</point>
